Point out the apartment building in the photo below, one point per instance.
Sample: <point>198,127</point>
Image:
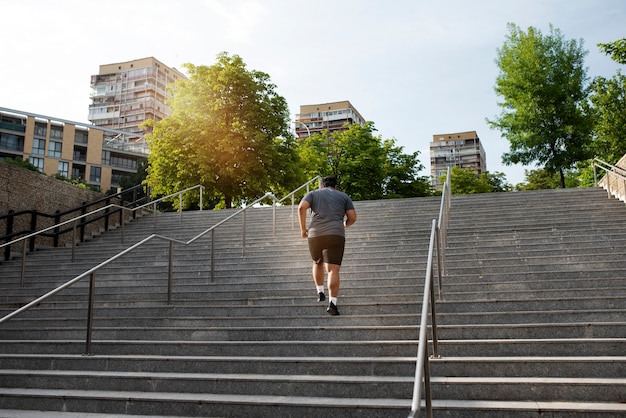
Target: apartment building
<point>459,149</point>
<point>125,94</point>
<point>98,156</point>
<point>326,116</point>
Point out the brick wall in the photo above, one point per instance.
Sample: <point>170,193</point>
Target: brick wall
<point>22,189</point>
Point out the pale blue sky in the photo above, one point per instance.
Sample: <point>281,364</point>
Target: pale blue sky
<point>415,68</point>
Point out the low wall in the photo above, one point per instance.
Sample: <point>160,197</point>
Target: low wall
<point>22,189</point>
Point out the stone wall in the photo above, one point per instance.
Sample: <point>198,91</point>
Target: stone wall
<point>22,189</point>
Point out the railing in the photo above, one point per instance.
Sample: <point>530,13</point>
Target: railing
<point>614,180</point>
<point>106,210</point>
<point>292,195</point>
<point>92,271</point>
<point>56,231</point>
<point>438,243</point>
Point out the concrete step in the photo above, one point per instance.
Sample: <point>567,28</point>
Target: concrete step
<point>511,366</point>
<point>399,387</point>
<point>360,348</point>
<point>533,299</point>
<point>312,333</point>
<point>200,405</point>
<point>214,383</point>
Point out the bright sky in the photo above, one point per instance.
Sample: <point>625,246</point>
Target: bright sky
<point>415,68</point>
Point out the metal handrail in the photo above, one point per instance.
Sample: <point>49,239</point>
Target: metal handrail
<point>438,242</point>
<point>613,175</point>
<point>92,271</point>
<point>105,208</point>
<point>293,195</point>
<point>57,232</point>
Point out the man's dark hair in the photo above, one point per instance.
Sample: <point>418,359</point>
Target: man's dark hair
<point>329,181</point>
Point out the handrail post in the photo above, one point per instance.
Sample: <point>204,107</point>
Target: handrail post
<point>9,231</point>
<point>427,389</point>
<point>23,279</point>
<point>201,189</point>
<point>180,206</point>
<point>212,255</point>
<point>169,273</point>
<point>243,233</point>
<point>293,215</point>
<point>74,240</point>
<point>33,227</point>
<point>433,323</point>
<point>92,285</point>
<point>440,264</point>
<point>83,211</point>
<point>106,211</point>
<point>154,210</point>
<point>274,216</point>
<point>122,223</point>
<point>57,220</point>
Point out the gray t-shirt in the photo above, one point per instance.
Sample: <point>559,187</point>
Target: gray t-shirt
<point>328,207</point>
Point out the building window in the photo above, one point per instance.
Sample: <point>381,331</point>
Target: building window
<point>39,146</point>
<point>40,130</point>
<point>37,162</point>
<point>106,157</point>
<point>80,137</point>
<point>94,175</point>
<point>54,150</point>
<point>64,169</point>
<point>11,142</point>
<point>78,172</point>
<point>56,133</point>
<point>80,155</point>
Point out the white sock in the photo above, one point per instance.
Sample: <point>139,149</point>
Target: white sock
<point>333,300</point>
<point>320,289</point>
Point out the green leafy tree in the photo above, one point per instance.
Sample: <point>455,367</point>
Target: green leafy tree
<point>542,86</point>
<point>402,173</point>
<point>366,167</point>
<point>616,50</point>
<point>540,179</point>
<point>608,101</point>
<point>468,181</point>
<point>229,131</point>
<point>497,181</point>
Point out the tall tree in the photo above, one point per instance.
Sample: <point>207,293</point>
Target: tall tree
<point>402,173</point>
<point>542,85</point>
<point>366,167</point>
<point>468,181</point>
<point>608,99</point>
<point>229,131</point>
<point>616,50</point>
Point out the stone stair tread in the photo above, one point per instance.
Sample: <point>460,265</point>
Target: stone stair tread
<point>313,402</point>
<point>211,376</point>
<point>530,406</point>
<point>24,413</point>
<point>534,301</point>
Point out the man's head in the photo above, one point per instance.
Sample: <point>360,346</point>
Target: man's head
<point>329,181</point>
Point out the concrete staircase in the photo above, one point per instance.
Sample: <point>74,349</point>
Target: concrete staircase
<point>533,321</point>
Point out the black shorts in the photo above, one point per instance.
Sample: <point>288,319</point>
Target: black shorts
<point>327,248</point>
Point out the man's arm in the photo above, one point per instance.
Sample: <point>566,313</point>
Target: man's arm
<point>302,208</point>
<point>350,217</point>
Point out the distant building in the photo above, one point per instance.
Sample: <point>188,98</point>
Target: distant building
<point>326,117</point>
<point>127,93</point>
<point>459,149</point>
<point>98,156</point>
